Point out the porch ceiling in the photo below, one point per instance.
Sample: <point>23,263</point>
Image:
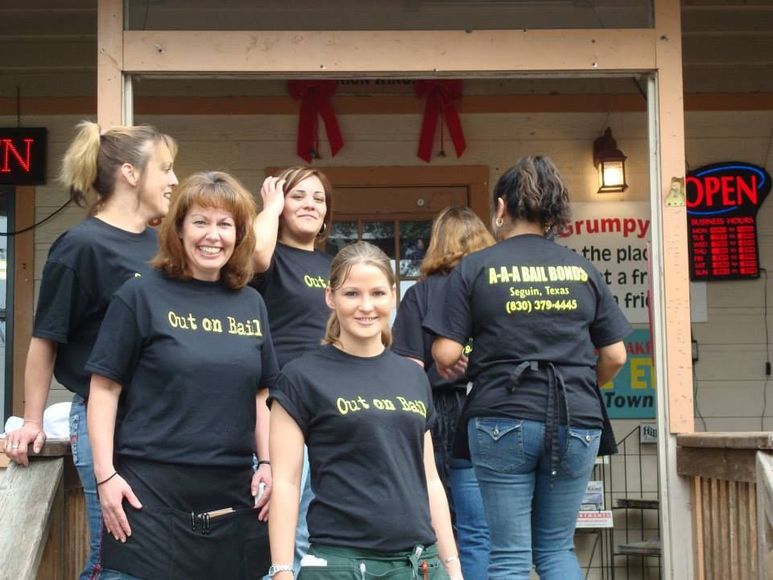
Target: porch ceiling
<point>48,47</point>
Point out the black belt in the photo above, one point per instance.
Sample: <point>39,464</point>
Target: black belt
<point>556,386</point>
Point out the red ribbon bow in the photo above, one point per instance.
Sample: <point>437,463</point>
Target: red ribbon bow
<point>440,95</point>
<point>315,101</point>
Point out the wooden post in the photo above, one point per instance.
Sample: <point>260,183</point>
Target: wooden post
<point>23,275</point>
<point>671,290</point>
<point>110,83</point>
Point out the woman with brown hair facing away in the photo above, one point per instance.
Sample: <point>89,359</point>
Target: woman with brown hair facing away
<point>292,276</point>
<point>537,313</point>
<point>379,507</point>
<point>456,232</point>
<point>180,375</point>
<point>125,177</point>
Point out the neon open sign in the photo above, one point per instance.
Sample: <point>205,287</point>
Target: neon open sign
<point>722,204</point>
<point>23,156</point>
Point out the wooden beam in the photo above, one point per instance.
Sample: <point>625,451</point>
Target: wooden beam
<point>724,464</point>
<point>110,63</point>
<point>23,291</point>
<point>27,498</point>
<point>399,53</point>
<point>389,104</point>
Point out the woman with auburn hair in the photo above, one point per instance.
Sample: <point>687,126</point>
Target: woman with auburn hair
<point>124,176</point>
<point>177,409</point>
<point>547,332</point>
<point>379,508</point>
<point>456,232</point>
<point>292,276</point>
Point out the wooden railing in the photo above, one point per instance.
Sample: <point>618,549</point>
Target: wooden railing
<point>43,529</point>
<point>732,502</point>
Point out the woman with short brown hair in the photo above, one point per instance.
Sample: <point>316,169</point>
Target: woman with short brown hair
<point>184,358</point>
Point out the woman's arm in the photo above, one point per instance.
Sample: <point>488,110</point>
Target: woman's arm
<point>39,369</point>
<point>263,473</point>
<point>267,222</point>
<point>286,447</point>
<point>448,354</point>
<point>611,359</point>
<point>441,518</point>
<point>112,488</point>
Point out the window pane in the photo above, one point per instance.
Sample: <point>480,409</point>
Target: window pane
<point>414,239</point>
<point>341,234</point>
<point>381,234</point>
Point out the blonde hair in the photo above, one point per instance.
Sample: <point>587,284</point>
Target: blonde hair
<point>91,162</point>
<point>293,176</point>
<point>456,232</point>
<point>209,189</point>
<point>345,260</point>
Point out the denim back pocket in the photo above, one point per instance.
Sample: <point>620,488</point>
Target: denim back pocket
<point>498,444</point>
<point>579,457</point>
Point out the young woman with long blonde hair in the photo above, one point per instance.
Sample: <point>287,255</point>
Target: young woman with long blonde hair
<point>365,415</point>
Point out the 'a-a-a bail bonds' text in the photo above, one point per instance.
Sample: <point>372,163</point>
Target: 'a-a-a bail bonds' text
<point>546,290</point>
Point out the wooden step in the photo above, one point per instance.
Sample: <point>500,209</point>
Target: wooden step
<point>638,503</point>
<point>645,548</point>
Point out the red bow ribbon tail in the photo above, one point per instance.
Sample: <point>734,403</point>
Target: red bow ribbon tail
<point>331,125</point>
<point>307,127</point>
<point>454,124</point>
<point>429,124</point>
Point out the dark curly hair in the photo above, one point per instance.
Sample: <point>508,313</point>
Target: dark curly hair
<point>532,190</point>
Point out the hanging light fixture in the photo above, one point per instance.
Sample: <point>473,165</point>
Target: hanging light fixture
<point>610,163</point>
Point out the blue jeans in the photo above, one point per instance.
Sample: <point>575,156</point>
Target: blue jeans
<point>302,531</point>
<point>84,463</point>
<point>530,516</point>
<point>472,536</point>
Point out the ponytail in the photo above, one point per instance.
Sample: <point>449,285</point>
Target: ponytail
<point>79,166</point>
<point>533,191</point>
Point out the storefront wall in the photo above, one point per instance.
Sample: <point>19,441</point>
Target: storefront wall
<point>730,376</point>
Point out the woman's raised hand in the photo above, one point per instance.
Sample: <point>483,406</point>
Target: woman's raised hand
<point>272,192</point>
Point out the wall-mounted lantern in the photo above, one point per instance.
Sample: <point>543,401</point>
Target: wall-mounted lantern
<point>610,163</point>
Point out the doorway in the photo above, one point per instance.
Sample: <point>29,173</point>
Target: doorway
<point>393,208</point>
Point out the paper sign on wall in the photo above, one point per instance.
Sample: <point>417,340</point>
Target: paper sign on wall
<point>613,236</point>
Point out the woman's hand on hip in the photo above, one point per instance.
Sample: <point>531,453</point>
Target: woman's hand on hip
<point>111,496</point>
<point>261,480</point>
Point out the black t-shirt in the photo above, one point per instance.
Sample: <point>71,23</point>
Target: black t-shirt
<point>294,290</point>
<point>85,266</point>
<point>410,339</point>
<point>364,422</point>
<point>191,356</point>
<point>529,299</point>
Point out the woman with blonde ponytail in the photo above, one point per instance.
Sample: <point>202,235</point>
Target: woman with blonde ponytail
<point>364,412</point>
<point>124,177</point>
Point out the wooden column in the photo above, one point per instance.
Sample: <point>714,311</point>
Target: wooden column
<point>671,290</point>
<point>23,291</point>
<point>110,85</point>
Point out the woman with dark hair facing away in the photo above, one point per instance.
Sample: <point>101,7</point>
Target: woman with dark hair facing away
<point>125,177</point>
<point>379,508</point>
<point>537,312</point>
<point>177,407</point>
<point>292,276</point>
<point>456,232</point>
